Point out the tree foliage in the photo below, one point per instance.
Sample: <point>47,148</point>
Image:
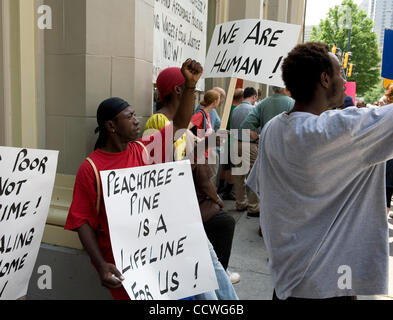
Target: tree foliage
<point>364,44</point>
<point>374,94</point>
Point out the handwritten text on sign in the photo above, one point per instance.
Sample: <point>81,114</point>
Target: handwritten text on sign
<point>251,50</point>
<point>26,184</point>
<point>156,231</point>
<point>179,33</point>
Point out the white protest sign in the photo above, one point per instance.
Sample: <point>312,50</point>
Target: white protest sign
<point>158,240</point>
<point>26,184</point>
<point>179,33</point>
<point>251,50</point>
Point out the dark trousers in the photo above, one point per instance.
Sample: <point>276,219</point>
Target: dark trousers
<point>220,230</point>
<point>302,299</point>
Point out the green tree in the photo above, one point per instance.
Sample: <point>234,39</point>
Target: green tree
<point>364,44</point>
<point>374,94</point>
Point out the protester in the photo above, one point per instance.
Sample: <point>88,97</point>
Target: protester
<point>320,178</point>
<point>118,147</point>
<point>247,151</point>
<point>389,165</point>
<point>266,110</point>
<point>221,228</point>
<point>226,181</point>
<point>360,103</point>
<point>200,124</point>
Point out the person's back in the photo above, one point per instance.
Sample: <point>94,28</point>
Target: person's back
<point>273,106</point>
<point>320,177</point>
<point>240,113</point>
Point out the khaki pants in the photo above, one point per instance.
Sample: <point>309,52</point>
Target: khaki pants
<point>248,156</point>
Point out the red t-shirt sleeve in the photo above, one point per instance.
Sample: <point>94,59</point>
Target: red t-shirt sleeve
<point>83,207</point>
<point>197,120</point>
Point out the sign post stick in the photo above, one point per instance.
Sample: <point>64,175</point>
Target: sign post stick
<point>228,103</point>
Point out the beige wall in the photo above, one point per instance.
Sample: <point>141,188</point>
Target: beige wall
<point>2,111</point>
<point>97,49</point>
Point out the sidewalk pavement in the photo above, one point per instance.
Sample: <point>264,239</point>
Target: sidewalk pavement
<point>249,258</point>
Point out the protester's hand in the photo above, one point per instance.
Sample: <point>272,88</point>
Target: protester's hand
<point>220,202</point>
<point>191,71</point>
<point>107,273</point>
<point>254,136</point>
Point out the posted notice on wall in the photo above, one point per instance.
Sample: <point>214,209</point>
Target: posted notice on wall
<point>26,183</point>
<point>251,49</point>
<point>158,240</point>
<point>179,34</point>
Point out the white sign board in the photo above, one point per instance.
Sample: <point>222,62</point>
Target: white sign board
<point>179,33</point>
<point>251,50</point>
<point>26,184</point>
<point>156,231</point>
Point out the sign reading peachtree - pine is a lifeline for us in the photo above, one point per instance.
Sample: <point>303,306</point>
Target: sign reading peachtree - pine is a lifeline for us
<point>156,231</point>
<point>251,49</point>
<point>26,183</point>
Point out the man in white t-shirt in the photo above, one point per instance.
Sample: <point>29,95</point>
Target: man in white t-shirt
<point>320,176</point>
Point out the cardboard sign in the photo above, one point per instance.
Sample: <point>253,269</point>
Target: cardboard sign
<point>156,231</point>
<point>179,33</point>
<point>250,50</point>
<point>351,90</point>
<point>26,184</point>
<point>387,61</point>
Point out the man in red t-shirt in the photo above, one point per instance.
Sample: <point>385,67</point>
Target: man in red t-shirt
<point>117,147</point>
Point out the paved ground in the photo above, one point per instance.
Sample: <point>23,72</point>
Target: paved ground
<point>250,259</point>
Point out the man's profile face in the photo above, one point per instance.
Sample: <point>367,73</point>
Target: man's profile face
<point>336,92</point>
<point>127,125</point>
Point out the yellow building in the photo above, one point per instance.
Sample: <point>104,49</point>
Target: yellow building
<point>52,81</point>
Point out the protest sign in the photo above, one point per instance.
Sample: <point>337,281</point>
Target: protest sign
<point>26,183</point>
<point>387,61</point>
<point>250,50</point>
<point>179,34</point>
<point>350,90</point>
<point>156,232</point>
<point>387,82</point>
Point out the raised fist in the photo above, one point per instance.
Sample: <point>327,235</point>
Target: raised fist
<point>192,72</point>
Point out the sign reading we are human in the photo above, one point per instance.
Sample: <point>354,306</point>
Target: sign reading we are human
<point>179,33</point>
<point>156,232</point>
<point>251,50</point>
<point>26,183</point>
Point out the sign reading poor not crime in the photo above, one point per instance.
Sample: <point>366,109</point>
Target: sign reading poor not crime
<point>156,231</point>
<point>251,50</point>
<point>26,183</point>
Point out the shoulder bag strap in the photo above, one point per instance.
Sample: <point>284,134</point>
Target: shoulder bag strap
<point>98,184</point>
<point>144,148</point>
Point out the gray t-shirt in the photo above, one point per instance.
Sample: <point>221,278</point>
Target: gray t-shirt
<point>321,183</point>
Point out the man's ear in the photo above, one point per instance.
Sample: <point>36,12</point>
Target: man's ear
<point>178,90</point>
<point>325,80</point>
<point>110,126</point>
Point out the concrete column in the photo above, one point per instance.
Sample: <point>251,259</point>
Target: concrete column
<point>97,49</point>
<point>2,110</point>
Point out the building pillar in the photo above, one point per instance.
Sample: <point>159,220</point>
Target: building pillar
<point>2,108</point>
<point>18,83</point>
<point>96,50</point>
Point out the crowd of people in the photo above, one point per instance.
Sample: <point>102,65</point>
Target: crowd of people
<point>304,160</point>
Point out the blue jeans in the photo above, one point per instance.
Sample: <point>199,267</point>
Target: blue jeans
<point>226,290</point>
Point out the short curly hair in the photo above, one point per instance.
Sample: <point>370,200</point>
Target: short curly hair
<point>302,69</point>
<point>389,94</point>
